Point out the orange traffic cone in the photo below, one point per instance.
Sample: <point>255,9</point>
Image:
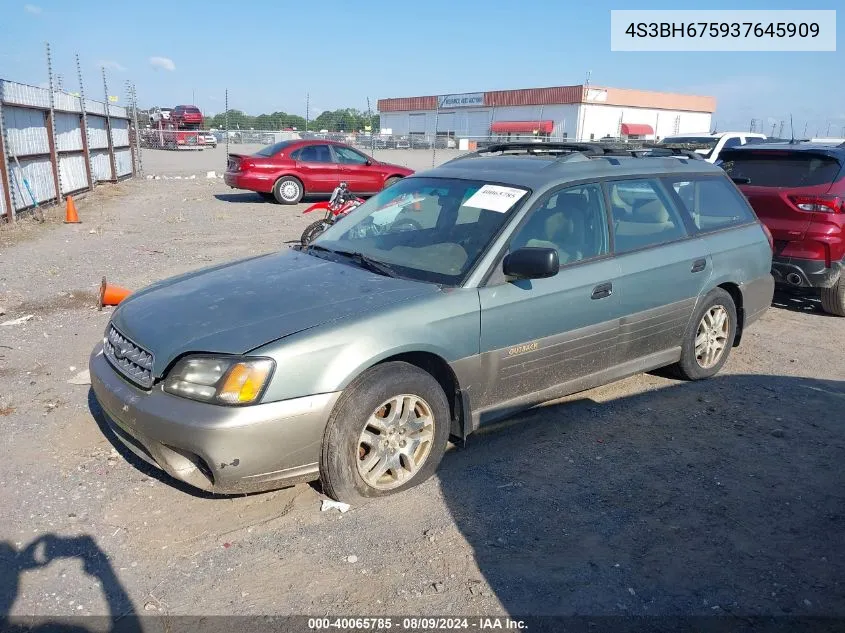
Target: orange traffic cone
<point>71,216</point>
<point>111,295</point>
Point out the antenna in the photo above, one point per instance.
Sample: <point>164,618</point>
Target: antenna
<point>791,129</point>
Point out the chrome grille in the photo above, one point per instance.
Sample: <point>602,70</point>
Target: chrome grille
<point>129,359</point>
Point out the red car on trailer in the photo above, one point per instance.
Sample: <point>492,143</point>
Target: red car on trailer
<point>289,170</point>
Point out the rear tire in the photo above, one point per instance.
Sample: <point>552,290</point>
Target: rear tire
<point>288,190</point>
<point>709,338</point>
<point>391,425</point>
<point>833,299</point>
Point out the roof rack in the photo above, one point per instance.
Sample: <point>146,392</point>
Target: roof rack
<point>543,147</point>
<point>589,150</point>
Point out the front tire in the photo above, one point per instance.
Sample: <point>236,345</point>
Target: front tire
<point>708,341</point>
<point>387,433</point>
<point>312,231</point>
<point>833,299</point>
<point>391,181</point>
<point>288,190</point>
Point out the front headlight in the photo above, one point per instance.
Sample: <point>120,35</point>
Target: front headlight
<point>220,380</point>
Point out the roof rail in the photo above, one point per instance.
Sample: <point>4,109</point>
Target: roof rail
<point>544,147</point>
<point>565,151</point>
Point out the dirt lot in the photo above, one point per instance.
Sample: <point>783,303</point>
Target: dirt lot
<point>650,496</point>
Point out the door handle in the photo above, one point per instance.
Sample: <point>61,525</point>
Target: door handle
<point>698,265</point>
<point>602,290</point>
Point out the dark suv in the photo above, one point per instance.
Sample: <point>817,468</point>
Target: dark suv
<point>798,191</point>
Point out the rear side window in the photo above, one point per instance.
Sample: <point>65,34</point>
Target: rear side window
<point>713,203</point>
<point>313,154</point>
<point>272,150</point>
<point>642,215</point>
<point>782,168</point>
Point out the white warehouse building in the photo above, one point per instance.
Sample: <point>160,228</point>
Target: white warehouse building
<point>581,113</point>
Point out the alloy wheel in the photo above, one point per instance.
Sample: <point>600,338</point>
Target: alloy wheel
<point>396,442</point>
<point>711,338</point>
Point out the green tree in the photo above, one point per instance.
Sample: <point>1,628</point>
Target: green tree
<point>346,119</point>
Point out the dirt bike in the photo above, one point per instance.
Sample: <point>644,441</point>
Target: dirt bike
<point>343,202</point>
<point>340,204</point>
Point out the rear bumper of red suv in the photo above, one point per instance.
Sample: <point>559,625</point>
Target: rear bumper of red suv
<point>805,273</point>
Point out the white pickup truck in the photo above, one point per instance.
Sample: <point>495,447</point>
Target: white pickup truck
<point>711,145</point>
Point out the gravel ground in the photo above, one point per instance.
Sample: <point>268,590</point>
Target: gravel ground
<point>649,496</point>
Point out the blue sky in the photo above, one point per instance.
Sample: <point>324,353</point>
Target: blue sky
<point>270,53</point>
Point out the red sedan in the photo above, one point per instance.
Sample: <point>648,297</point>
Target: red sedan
<point>289,170</point>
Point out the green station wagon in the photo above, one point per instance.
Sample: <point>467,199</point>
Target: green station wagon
<point>497,281</point>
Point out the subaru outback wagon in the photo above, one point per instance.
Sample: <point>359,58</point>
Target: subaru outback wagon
<point>528,273</point>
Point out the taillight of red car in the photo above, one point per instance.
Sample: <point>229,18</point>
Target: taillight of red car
<point>819,203</point>
<point>245,164</point>
<point>768,236</point>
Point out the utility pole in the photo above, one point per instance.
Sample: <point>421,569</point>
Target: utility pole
<point>780,131</point>
<point>307,109</point>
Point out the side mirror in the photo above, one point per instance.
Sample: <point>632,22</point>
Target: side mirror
<point>531,263</point>
<point>368,162</point>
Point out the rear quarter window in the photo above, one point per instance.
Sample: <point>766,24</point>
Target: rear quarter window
<point>713,203</point>
<point>783,168</point>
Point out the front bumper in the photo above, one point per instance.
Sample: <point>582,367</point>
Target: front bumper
<point>811,273</point>
<point>215,448</point>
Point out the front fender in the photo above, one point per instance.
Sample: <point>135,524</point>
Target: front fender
<point>327,358</point>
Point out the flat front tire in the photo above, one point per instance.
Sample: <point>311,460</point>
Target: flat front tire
<point>833,299</point>
<point>387,433</point>
<point>709,338</point>
<point>288,190</point>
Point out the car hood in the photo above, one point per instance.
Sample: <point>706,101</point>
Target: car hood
<point>236,307</point>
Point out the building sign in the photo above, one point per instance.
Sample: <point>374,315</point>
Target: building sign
<point>462,101</point>
<point>596,95</point>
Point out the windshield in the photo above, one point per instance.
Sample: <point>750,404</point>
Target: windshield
<point>272,150</point>
<point>428,229</point>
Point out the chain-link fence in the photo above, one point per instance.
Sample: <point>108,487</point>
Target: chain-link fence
<point>55,143</point>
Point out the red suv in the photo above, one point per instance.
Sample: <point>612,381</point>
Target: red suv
<point>186,116</point>
<point>289,170</point>
<point>798,191</point>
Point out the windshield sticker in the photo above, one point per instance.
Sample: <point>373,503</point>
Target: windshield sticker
<point>495,198</point>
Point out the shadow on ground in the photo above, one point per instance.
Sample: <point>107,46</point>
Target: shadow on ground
<point>719,497</point>
<point>804,301</point>
<point>250,197</point>
<point>42,552</point>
